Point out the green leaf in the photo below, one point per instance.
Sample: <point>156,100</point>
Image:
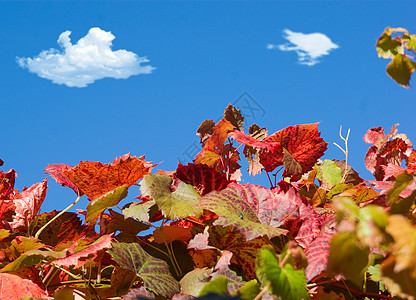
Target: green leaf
<point>249,291</point>
<point>193,282</point>
<point>331,173</point>
<point>401,69</point>
<point>347,257</point>
<point>216,286</point>
<point>375,272</point>
<point>401,182</point>
<point>110,199</point>
<point>139,211</point>
<point>285,282</point>
<point>174,205</point>
<point>371,226</point>
<point>4,233</point>
<point>23,261</point>
<point>411,41</point>
<point>387,47</point>
<point>403,206</point>
<point>153,271</point>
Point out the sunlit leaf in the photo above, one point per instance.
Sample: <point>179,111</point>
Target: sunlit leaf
<point>153,271</point>
<point>401,69</point>
<point>286,282</point>
<point>95,179</point>
<point>56,172</point>
<point>331,173</point>
<point>233,115</point>
<point>216,286</point>
<point>250,209</point>
<point>180,203</point>
<point>12,287</point>
<point>388,47</point>
<point>100,204</point>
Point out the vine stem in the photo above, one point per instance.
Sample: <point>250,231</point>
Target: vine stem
<point>263,291</point>
<point>56,217</point>
<point>344,151</point>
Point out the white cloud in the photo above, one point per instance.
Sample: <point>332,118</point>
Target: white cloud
<point>90,59</point>
<point>309,47</point>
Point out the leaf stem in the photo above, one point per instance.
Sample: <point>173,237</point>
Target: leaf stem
<point>271,183</point>
<point>56,217</point>
<point>263,291</point>
<point>170,254</point>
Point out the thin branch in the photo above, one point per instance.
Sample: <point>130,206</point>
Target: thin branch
<point>263,291</point>
<point>345,151</point>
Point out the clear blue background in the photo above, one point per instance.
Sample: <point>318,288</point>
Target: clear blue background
<point>206,54</point>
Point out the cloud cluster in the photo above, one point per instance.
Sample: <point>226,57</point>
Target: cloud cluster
<point>309,47</point>
<point>90,59</point>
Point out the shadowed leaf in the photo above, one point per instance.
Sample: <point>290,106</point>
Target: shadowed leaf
<point>193,282</point>
<point>153,271</point>
<point>233,115</point>
<point>401,69</point>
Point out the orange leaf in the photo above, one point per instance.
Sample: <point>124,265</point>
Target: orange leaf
<point>95,179</point>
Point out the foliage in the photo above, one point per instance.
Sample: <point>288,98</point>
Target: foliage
<point>398,45</point>
<point>321,232</point>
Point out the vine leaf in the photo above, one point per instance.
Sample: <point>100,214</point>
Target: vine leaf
<point>202,177</point>
<point>15,288</point>
<point>100,204</point>
<point>401,69</point>
<point>94,179</point>
<point>285,282</point>
<point>233,115</point>
<point>200,241</point>
<point>387,47</point>
<point>252,210</point>
<point>67,228</point>
<point>180,203</point>
<point>27,205</point>
<point>153,271</point>
<point>317,252</point>
<point>7,180</point>
<point>139,211</point>
<point>212,151</point>
<point>303,142</point>
<point>170,233</point>
<point>216,286</point>
<point>78,259</point>
<point>193,281</point>
<point>205,131</point>
<point>56,172</point>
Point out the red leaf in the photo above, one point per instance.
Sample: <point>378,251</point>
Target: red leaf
<point>7,180</point>
<point>202,177</point>
<point>246,139</point>
<point>95,179</point>
<point>303,142</point>
<point>27,205</point>
<point>12,287</point>
<point>172,233</point>
<point>78,259</point>
<point>317,252</point>
<point>200,241</point>
<point>56,172</point>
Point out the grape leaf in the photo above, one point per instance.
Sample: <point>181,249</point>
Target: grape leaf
<point>114,221</point>
<point>331,173</point>
<point>193,282</point>
<point>95,179</point>
<point>100,204</point>
<point>12,287</point>
<point>178,204</point>
<point>398,282</point>
<point>67,227</point>
<point>234,281</point>
<point>250,209</point>
<point>200,241</point>
<point>233,115</point>
<point>348,257</point>
<point>205,130</point>
<point>139,211</point>
<point>401,69</point>
<point>317,252</point>
<point>210,154</point>
<point>202,177</point>
<point>387,47</point>
<point>286,282</point>
<point>216,286</point>
<point>56,172</point>
<point>7,180</point>
<point>292,167</point>
<point>153,271</point>
<point>303,142</point>
<point>78,259</point>
<point>138,294</point>
<point>27,205</point>
<point>170,233</point>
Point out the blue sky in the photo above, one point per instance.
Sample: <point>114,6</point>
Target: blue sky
<point>205,55</point>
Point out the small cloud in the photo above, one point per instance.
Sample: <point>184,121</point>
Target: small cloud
<point>90,59</point>
<point>309,47</point>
